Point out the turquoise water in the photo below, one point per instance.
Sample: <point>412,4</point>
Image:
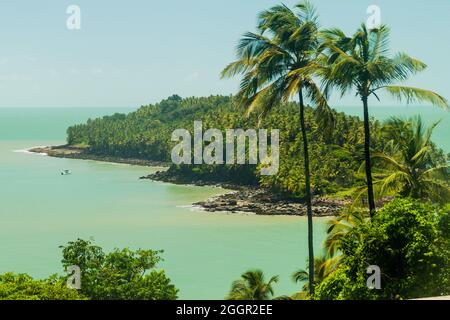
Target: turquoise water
<point>204,253</point>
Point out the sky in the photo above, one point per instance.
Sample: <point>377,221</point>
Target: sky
<point>131,53</point>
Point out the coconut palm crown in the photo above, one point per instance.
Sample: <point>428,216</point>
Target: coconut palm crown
<point>252,286</point>
<point>362,63</point>
<point>411,168</point>
<point>279,63</point>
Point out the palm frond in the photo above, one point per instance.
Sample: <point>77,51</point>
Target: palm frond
<point>389,160</point>
<point>411,94</point>
<point>395,182</point>
<point>439,170</point>
<point>300,276</point>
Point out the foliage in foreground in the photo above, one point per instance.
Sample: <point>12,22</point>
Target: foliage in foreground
<point>252,286</point>
<point>408,240</point>
<point>23,287</point>
<point>118,275</point>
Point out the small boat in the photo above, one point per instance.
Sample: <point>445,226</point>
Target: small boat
<point>66,172</point>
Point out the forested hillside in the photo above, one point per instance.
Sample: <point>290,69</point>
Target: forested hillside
<point>336,155</point>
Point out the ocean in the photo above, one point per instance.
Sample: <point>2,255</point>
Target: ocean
<point>203,252</point>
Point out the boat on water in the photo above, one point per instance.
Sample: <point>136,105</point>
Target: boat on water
<point>66,172</point>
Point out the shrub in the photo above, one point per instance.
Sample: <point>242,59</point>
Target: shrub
<point>409,241</point>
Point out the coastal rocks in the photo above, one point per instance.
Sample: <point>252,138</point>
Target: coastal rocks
<point>251,199</point>
<point>261,202</point>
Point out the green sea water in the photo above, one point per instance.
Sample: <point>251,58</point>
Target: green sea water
<point>204,252</point>
<point>430,115</point>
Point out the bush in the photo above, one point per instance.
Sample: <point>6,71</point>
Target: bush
<point>23,287</point>
<point>118,275</point>
<point>409,241</point>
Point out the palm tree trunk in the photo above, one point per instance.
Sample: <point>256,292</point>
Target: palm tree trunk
<point>371,197</point>
<point>308,193</point>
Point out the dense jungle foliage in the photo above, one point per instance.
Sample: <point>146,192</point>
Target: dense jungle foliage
<point>336,155</point>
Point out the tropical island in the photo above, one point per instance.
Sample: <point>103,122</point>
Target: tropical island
<point>386,182</point>
<point>136,139</point>
<point>118,138</point>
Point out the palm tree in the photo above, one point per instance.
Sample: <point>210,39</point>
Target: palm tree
<point>338,228</point>
<point>323,267</point>
<point>277,64</point>
<point>412,169</point>
<point>361,62</point>
<point>252,286</point>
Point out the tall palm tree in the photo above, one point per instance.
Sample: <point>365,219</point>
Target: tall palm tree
<point>252,286</point>
<point>277,64</point>
<point>411,170</point>
<point>362,63</point>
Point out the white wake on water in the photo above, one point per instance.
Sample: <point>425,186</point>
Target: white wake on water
<point>27,151</point>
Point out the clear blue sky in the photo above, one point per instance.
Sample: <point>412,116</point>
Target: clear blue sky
<point>130,53</point>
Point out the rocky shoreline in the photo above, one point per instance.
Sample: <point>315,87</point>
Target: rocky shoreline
<point>253,199</point>
<point>262,202</point>
<point>70,152</point>
<point>241,199</point>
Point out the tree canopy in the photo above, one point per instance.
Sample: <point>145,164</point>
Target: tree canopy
<point>122,274</point>
<point>408,240</point>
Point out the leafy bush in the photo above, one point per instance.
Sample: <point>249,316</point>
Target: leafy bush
<point>120,274</point>
<point>23,287</point>
<point>409,241</point>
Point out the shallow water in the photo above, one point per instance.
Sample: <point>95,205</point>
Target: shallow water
<point>204,252</point>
